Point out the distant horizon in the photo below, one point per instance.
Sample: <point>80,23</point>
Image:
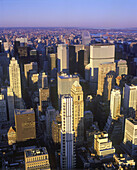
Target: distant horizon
<point>101,28</point>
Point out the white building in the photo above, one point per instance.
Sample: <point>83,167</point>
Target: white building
<point>130,97</point>
<point>122,67</point>
<point>15,83</point>
<point>67,158</point>
<point>31,66</point>
<point>115,103</point>
<point>130,136</point>
<point>86,37</point>
<point>103,146</point>
<point>99,53</point>
<point>62,57</point>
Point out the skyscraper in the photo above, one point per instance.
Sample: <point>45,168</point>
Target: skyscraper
<point>86,37</point>
<point>43,98</point>
<point>109,83</point>
<point>42,80</point>
<point>15,82</point>
<point>50,116</point>
<point>3,109</point>
<point>65,82</point>
<point>78,105</point>
<point>130,97</point>
<point>25,124</point>
<point>115,103</point>
<point>10,101</point>
<point>62,58</point>
<point>122,67</point>
<point>31,66</point>
<point>53,58</point>
<point>130,136</point>
<point>99,53</point>
<point>104,69</point>
<point>67,134</point>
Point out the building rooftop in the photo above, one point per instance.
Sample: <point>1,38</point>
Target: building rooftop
<point>107,63</point>
<point>67,76</point>
<point>35,152</point>
<point>23,111</point>
<point>100,44</point>
<point>132,121</point>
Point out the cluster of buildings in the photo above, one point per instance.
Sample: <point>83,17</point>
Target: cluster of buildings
<point>70,96</point>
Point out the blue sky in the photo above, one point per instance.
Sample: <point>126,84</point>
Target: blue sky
<point>67,13</point>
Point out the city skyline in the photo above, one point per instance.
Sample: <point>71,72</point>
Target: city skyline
<point>90,14</point>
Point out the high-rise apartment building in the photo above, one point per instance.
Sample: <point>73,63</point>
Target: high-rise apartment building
<point>15,83</point>
<point>37,158</point>
<point>62,57</point>
<point>25,124</point>
<point>122,67</point>
<point>68,157</point>
<point>115,103</point>
<point>78,112</point>
<point>3,109</point>
<point>103,146</point>
<point>130,136</point>
<point>130,97</point>
<point>65,82</point>
<point>99,53</point>
<point>103,70</point>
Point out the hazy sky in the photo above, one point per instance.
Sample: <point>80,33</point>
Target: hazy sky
<point>77,13</point>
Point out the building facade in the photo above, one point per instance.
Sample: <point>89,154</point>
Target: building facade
<point>130,136</point>
<point>3,109</point>
<point>25,124</point>
<point>78,112</point>
<point>65,82</point>
<point>99,53</point>
<point>68,157</point>
<point>103,70</point>
<point>130,97</point>
<point>15,83</point>
<point>37,158</point>
<point>122,67</point>
<point>103,146</point>
<point>62,57</point>
<point>115,103</point>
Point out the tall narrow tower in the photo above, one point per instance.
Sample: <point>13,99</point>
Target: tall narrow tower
<point>78,104</point>
<point>67,134</point>
<point>62,57</point>
<point>15,82</point>
<point>115,103</point>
